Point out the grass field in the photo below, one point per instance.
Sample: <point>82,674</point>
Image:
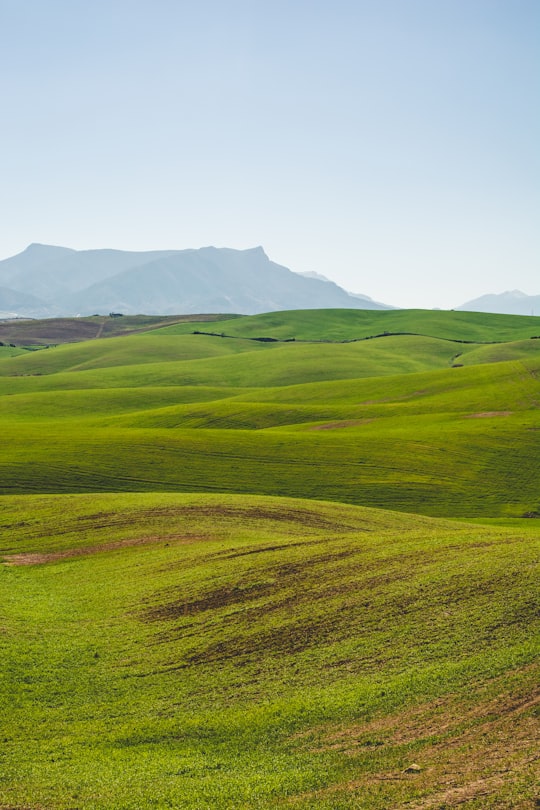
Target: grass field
<point>386,423</point>
<point>354,324</point>
<point>244,574</point>
<point>211,651</point>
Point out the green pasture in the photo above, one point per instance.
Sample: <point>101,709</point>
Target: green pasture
<point>9,352</point>
<point>121,352</point>
<point>198,651</point>
<point>240,575</point>
<point>358,324</point>
<point>454,442</point>
<point>208,360</point>
<point>454,467</point>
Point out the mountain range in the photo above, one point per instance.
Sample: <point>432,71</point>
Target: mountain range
<point>46,281</point>
<point>512,302</point>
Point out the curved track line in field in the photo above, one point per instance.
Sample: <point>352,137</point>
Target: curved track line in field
<point>345,423</point>
<point>38,558</point>
<point>501,730</point>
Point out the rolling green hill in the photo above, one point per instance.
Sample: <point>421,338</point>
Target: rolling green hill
<point>340,324</point>
<point>263,574</point>
<point>219,652</point>
<point>386,423</point>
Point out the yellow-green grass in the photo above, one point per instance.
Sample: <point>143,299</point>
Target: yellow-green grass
<point>120,352</point>
<point>211,360</point>
<point>497,353</point>
<point>190,360</point>
<point>209,652</point>
<point>352,324</point>
<point>9,352</point>
<point>455,442</point>
<point>454,467</point>
<point>329,324</point>
<point>232,650</point>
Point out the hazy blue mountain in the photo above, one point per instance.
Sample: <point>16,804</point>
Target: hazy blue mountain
<point>313,274</point>
<point>53,272</point>
<point>30,260</point>
<point>511,302</point>
<point>369,302</point>
<point>13,302</point>
<point>168,282</point>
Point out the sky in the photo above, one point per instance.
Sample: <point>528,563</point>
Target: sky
<point>390,145</point>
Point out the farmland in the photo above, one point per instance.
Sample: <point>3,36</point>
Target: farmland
<point>245,573</point>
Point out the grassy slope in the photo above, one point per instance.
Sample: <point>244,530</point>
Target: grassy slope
<point>233,651</point>
<point>9,352</point>
<point>217,652</point>
<point>339,324</point>
<point>330,324</point>
<point>119,352</point>
<point>404,441</point>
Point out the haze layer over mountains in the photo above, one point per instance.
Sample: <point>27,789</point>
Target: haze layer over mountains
<point>512,302</point>
<point>47,281</point>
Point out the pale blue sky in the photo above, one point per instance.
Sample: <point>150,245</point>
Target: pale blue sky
<point>392,145</point>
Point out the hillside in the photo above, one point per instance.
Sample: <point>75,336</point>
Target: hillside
<point>254,574</point>
<point>419,424</point>
<point>210,279</point>
<point>327,325</point>
<point>46,331</point>
<point>214,652</point>
<point>342,325</point>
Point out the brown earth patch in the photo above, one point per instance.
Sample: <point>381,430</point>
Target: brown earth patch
<point>487,414</point>
<point>468,746</point>
<point>305,517</point>
<point>72,330</point>
<point>39,558</point>
<point>454,796</point>
<point>442,717</point>
<point>295,574</point>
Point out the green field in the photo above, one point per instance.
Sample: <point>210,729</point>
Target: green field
<point>272,574</point>
<point>354,324</point>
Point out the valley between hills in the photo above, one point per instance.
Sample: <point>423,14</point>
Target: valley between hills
<point>287,560</point>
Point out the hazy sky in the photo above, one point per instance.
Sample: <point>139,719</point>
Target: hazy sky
<point>392,145</point>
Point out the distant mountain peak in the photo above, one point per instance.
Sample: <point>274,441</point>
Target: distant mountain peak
<point>511,302</point>
<point>164,282</point>
<point>515,293</point>
<point>35,247</point>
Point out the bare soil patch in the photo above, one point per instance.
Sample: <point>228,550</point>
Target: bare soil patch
<point>473,747</point>
<point>487,414</point>
<point>304,517</point>
<point>39,558</point>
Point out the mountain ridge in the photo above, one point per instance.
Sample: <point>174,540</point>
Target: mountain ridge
<point>209,279</point>
<point>510,302</point>
<point>45,281</point>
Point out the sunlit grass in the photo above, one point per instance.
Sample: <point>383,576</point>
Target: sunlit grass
<point>184,646</point>
<point>174,635</point>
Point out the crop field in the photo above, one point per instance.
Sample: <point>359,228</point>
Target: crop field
<point>241,573</point>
